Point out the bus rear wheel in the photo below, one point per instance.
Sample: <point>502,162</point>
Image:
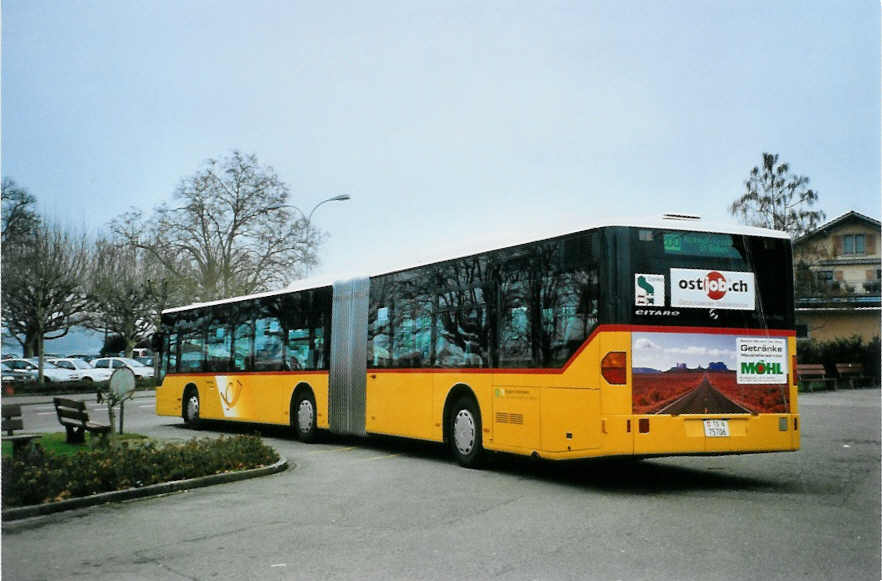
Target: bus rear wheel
<point>465,433</point>
<point>303,417</point>
<point>190,408</point>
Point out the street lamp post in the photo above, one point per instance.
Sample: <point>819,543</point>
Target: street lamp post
<point>308,218</point>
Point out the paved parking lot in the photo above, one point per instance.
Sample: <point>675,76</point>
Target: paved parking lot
<point>392,509</point>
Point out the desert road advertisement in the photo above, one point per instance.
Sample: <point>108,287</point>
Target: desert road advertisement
<point>693,373</point>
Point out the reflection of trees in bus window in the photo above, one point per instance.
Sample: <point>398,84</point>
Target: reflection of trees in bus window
<point>424,336</point>
<point>305,318</point>
<point>529,306</point>
<point>379,346</point>
<point>318,352</point>
<point>466,311</point>
<point>268,344</point>
<point>218,343</point>
<point>170,353</point>
<point>298,349</point>
<point>191,353</point>
<point>320,323</point>
<point>243,338</point>
<point>459,343</point>
<point>404,352</point>
<point>305,348</point>
<point>190,327</point>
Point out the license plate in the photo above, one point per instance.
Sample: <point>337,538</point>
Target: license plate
<point>716,428</point>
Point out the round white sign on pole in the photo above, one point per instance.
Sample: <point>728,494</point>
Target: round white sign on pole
<point>122,381</point>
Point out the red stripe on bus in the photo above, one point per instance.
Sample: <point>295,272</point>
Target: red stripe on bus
<point>213,373</point>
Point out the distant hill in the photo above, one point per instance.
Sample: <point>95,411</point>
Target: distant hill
<point>644,370</point>
<point>717,366</point>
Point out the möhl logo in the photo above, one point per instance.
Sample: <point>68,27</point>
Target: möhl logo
<point>761,368</point>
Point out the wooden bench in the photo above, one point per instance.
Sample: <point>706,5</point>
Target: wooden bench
<point>851,372</point>
<point>12,421</point>
<point>810,373</point>
<point>73,416</point>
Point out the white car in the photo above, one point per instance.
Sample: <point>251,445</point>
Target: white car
<point>114,363</point>
<point>86,371</point>
<point>51,373</point>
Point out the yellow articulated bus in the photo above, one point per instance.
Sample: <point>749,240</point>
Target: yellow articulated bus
<point>661,338</point>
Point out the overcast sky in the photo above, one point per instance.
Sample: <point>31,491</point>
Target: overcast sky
<point>447,122</point>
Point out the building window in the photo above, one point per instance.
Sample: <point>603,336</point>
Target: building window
<point>854,244</point>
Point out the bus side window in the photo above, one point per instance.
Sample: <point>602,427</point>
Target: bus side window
<point>298,349</point>
<point>268,344</point>
<point>218,347</point>
<point>191,353</point>
<point>242,342</point>
<point>169,354</point>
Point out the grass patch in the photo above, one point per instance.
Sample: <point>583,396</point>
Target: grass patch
<point>55,443</point>
<point>44,477</point>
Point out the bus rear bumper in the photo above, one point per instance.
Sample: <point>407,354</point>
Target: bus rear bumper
<point>686,435</point>
<point>701,434</point>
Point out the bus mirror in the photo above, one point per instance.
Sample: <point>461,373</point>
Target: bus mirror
<point>613,367</point>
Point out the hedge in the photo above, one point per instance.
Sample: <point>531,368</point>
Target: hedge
<point>61,387</point>
<point>842,350</point>
<point>42,477</point>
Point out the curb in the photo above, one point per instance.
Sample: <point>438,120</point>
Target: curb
<point>17,513</point>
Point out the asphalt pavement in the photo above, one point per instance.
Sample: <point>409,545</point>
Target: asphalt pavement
<point>384,508</point>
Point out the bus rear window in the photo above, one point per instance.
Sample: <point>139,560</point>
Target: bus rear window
<point>720,279</point>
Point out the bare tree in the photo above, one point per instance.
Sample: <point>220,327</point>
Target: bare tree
<point>777,199</point>
<point>42,292</point>
<point>230,232</point>
<point>127,292</point>
<point>19,217</point>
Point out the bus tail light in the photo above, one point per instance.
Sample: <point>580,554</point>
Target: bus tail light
<point>613,367</point>
<point>793,369</point>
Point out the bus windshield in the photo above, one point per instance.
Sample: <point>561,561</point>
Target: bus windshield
<point>707,279</point>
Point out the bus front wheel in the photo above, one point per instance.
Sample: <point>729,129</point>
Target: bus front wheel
<point>465,433</point>
<point>303,416</point>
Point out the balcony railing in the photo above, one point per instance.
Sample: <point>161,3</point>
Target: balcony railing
<point>856,292</point>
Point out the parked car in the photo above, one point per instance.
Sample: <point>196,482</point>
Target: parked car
<point>51,373</point>
<point>86,371</point>
<point>11,375</point>
<point>114,363</point>
<point>83,356</point>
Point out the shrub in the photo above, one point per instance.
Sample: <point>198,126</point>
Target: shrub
<point>32,387</point>
<point>48,477</point>
<point>841,350</point>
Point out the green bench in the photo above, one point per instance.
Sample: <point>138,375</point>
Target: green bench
<point>73,416</point>
<point>12,421</point>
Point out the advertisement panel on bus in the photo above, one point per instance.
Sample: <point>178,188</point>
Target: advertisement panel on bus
<point>706,373</point>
